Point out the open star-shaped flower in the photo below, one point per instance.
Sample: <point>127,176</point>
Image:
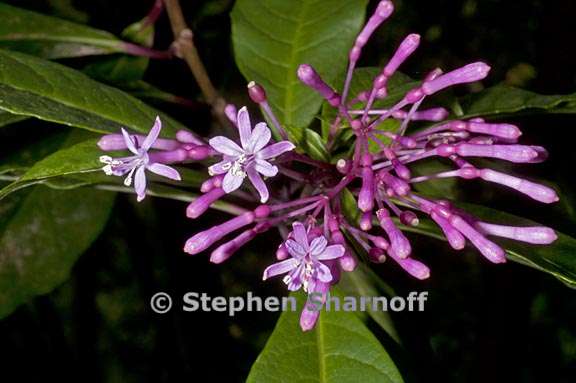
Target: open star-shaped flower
<point>305,268</point>
<point>249,159</point>
<point>135,166</point>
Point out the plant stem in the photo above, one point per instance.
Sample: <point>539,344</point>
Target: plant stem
<point>186,48</point>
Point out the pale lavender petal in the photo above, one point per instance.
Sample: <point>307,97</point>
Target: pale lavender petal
<point>140,183</point>
<point>279,268</point>
<point>244,127</point>
<point>260,137</point>
<point>300,234</point>
<point>258,184</point>
<point>226,146</point>
<point>318,245</point>
<point>165,171</point>
<point>129,141</point>
<point>323,272</point>
<point>220,167</point>
<point>332,252</point>
<point>152,135</point>
<point>275,150</point>
<point>295,249</point>
<point>265,168</point>
<point>294,279</point>
<point>231,182</point>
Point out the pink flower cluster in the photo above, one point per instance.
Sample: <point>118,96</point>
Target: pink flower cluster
<point>306,202</point>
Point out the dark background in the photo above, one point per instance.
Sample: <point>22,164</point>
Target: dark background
<point>483,322</point>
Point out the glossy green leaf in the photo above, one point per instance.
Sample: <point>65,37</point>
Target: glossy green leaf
<point>363,282</point>
<point>125,69</point>
<point>504,100</point>
<point>79,158</point>
<point>339,349</point>
<point>311,143</point>
<point>42,234</point>
<point>272,38</point>
<point>51,37</point>
<point>17,162</point>
<point>49,91</point>
<point>9,118</point>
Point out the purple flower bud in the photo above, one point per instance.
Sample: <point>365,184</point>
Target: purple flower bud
<point>538,235</point>
<point>112,142</point>
<point>542,154</point>
<point>231,113</point>
<point>432,114</point>
<point>256,92</point>
<point>282,253</point>
<point>399,186</point>
<point>399,244</point>
<point>407,142</point>
<point>468,73</point>
<point>376,255</point>
<point>348,262</point>
<point>453,236</point>
<point>366,195</point>
<point>413,267</point>
<point>365,221</point>
<point>406,48</point>
<point>487,248</point>
<point>225,251</point>
<point>507,131</point>
<point>168,157</point>
<point>414,95</point>
<point>401,170</point>
<point>205,239</point>
<point>199,153</point>
<point>380,242</point>
<point>197,207</point>
<point>536,191</point>
<point>187,137</point>
<point>512,153</point>
<point>383,11</point>
<point>211,183</point>
<point>408,218</point>
<point>308,76</point>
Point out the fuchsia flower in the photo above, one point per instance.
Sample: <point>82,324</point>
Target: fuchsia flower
<point>305,268</point>
<point>249,159</point>
<point>134,167</point>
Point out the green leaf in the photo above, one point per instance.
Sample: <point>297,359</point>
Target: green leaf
<point>146,91</point>
<point>363,282</point>
<point>272,38</point>
<point>556,259</point>
<point>9,118</point>
<point>504,100</point>
<point>17,162</point>
<point>311,143</point>
<point>42,234</point>
<point>349,206</point>
<point>51,37</point>
<point>49,91</point>
<point>339,349</point>
<point>79,158</point>
<point>125,69</point>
